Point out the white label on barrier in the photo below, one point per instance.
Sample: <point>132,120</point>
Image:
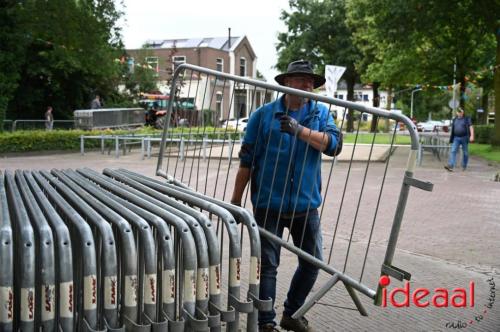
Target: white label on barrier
<point>131,291</point>
<point>234,272</point>
<point>150,289</point>
<point>66,296</point>
<point>90,292</point>
<point>6,304</point>
<point>168,286</point>
<point>189,286</point>
<point>202,284</point>
<point>48,304</point>
<point>215,280</point>
<point>27,304</point>
<point>110,290</point>
<point>254,270</point>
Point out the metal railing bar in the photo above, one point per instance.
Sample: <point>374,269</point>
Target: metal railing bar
<point>343,194</point>
<point>173,207</point>
<point>7,259</point>
<point>45,315</point>
<point>85,270</point>
<point>24,266</point>
<point>106,248</point>
<point>163,237</point>
<point>378,204</point>
<point>360,196</point>
<point>137,257</point>
<point>182,231</point>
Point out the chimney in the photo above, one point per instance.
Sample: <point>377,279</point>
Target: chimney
<point>229,38</point>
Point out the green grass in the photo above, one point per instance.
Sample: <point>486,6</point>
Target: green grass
<point>379,139</point>
<point>485,151</point>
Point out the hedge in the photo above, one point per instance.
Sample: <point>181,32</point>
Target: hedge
<point>58,140</point>
<point>483,133</point>
<point>41,140</point>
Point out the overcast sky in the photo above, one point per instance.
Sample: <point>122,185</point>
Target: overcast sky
<point>259,20</point>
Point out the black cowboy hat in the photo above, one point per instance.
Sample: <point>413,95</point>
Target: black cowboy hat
<point>301,68</point>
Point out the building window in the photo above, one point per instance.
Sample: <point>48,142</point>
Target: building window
<point>218,103</point>
<point>219,64</point>
<point>177,61</point>
<point>153,63</point>
<point>243,67</point>
<point>365,98</point>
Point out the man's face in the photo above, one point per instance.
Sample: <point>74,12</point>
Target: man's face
<point>460,114</point>
<point>305,83</point>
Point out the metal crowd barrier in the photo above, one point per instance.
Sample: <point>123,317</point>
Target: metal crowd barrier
<point>40,124</point>
<point>354,203</point>
<point>437,144</point>
<point>83,251</point>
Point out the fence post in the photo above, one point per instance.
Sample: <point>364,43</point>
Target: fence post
<point>14,124</point>
<point>82,145</point>
<point>117,147</point>
<point>102,144</point>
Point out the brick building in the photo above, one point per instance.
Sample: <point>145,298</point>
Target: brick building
<point>233,55</point>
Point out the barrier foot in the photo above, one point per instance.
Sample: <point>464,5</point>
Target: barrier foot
<point>259,304</point>
<point>225,315</point>
<point>160,326</point>
<point>86,327</point>
<point>175,325</point>
<point>214,322</point>
<point>356,300</point>
<point>195,324</point>
<point>240,306</point>
<point>315,297</point>
<point>132,326</point>
<point>117,329</point>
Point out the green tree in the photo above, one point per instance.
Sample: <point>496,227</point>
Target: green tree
<point>420,41</point>
<point>317,31</point>
<point>11,52</point>
<point>70,52</point>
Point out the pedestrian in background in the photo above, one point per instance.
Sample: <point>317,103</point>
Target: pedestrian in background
<point>96,103</point>
<point>462,133</point>
<point>49,119</point>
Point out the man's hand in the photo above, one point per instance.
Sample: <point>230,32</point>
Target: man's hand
<point>290,126</point>
<point>471,139</point>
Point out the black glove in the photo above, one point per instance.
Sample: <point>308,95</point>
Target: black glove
<point>290,126</point>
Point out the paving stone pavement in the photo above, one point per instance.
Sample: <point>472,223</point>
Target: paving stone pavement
<point>449,237</point>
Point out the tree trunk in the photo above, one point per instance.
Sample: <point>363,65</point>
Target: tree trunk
<point>376,103</point>
<point>496,133</point>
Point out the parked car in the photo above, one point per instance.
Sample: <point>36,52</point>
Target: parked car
<point>238,124</point>
<point>429,126</point>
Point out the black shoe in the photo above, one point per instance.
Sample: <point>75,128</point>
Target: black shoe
<point>448,168</point>
<point>269,327</point>
<point>297,325</point>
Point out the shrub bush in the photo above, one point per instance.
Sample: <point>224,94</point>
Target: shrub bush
<point>41,140</point>
<point>484,133</point>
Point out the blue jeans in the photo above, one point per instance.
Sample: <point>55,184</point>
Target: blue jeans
<point>305,274</point>
<point>457,141</point>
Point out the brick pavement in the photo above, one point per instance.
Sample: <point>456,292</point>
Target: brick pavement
<point>449,238</point>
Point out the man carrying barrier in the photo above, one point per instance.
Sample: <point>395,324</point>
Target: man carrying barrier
<point>293,123</point>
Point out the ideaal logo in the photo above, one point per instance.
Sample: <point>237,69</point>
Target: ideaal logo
<point>439,298</point>
<point>423,297</point>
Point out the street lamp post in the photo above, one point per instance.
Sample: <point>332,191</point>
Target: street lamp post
<point>411,104</point>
